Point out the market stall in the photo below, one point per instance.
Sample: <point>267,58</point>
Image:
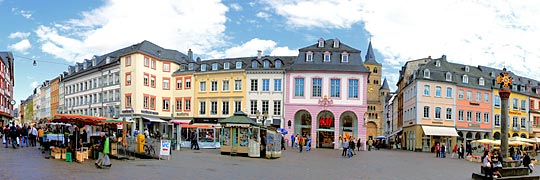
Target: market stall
<point>235,134</point>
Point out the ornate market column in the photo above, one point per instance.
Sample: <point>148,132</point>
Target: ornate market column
<point>505,83</point>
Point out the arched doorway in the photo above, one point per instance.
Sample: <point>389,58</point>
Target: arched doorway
<point>486,136</point>
<point>302,123</point>
<point>523,135</point>
<point>325,129</point>
<point>497,136</point>
<point>477,135</point>
<point>515,135</point>
<point>348,124</point>
<point>371,130</point>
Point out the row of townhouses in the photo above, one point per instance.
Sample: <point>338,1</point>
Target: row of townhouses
<point>325,92</point>
<point>7,81</point>
<point>438,101</point>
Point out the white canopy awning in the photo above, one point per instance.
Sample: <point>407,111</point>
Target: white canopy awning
<point>154,119</point>
<point>176,121</point>
<point>439,131</point>
<point>128,119</point>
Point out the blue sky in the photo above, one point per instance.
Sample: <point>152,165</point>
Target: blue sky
<point>58,33</point>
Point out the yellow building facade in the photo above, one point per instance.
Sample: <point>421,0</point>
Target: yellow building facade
<point>518,115</point>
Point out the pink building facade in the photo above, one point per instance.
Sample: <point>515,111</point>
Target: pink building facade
<point>326,94</point>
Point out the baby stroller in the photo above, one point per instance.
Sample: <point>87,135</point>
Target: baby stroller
<point>103,161</point>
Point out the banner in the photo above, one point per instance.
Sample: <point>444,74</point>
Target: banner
<point>165,149</point>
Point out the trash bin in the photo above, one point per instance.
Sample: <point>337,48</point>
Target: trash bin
<point>140,143</point>
<point>68,157</point>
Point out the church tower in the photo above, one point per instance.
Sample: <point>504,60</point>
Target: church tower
<point>374,114</point>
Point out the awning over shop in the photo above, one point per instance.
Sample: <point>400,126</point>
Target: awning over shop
<point>395,132</point>
<point>128,119</point>
<point>180,121</point>
<point>439,131</point>
<point>153,119</point>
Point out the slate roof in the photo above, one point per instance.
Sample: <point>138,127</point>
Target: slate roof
<point>239,117</point>
<point>246,64</point>
<point>385,84</point>
<point>522,85</point>
<point>370,56</point>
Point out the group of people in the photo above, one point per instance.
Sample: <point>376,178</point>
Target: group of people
<point>349,144</point>
<point>20,136</point>
<point>441,150</point>
<point>301,142</point>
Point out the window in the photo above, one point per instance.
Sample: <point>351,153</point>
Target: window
<point>497,101</point>
<point>145,101</point>
<point>202,86</point>
<point>213,108</point>
<point>515,121</point>
<point>188,83</point>
<point>153,81</point>
<point>466,68</point>
<point>202,107</point>
<point>353,88</point>
<point>153,64</point>
<point>182,67</point>
<point>188,104</point>
<point>478,97</point>
<point>214,66</point>
<point>166,83</point>
<point>266,64</point>
<point>265,105</point>
<point>266,85</point>
<point>166,67</point>
<point>128,78</point>
<point>426,90</point>
<point>128,100</point>
<point>426,111</point>
<point>515,104</point>
<point>254,64</point>
<point>191,66</point>
<point>239,65</point>
<point>166,104</point>
<point>438,91</point>
<point>277,85</point>
<point>237,106</point>
<point>427,74</point>
<point>448,76</point>
<point>478,117</point>
<point>465,79</point>
<point>253,105</point>
<point>254,84</point>
<point>203,67</point>
<point>469,116</point>
<point>523,105</point>
<point>213,86</point>
<point>277,64</point>
<point>153,102</point>
<point>469,95</point>
<point>225,85</point>
<point>179,83</point>
<point>146,61</point>
<point>486,117</point>
<point>298,86</point>
<point>128,61</point>
<point>497,120</point>
<point>486,97</point>
<point>326,56</point>
<point>335,88</point>
<point>460,115</point>
<point>226,65</point>
<point>344,57</point>
<point>237,85</point>
<point>437,112</point>
<point>309,56</point>
<point>449,92</point>
<point>225,108</point>
<point>448,113</point>
<point>375,71</point>
<point>178,104</point>
<point>321,43</point>
<point>523,123</point>
<point>145,79</point>
<point>460,94</point>
<point>317,87</point>
<point>481,81</point>
<point>277,107</point>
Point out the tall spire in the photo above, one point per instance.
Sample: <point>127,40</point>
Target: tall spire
<point>370,56</point>
<point>385,85</point>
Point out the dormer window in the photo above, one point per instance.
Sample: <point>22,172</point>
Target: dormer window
<point>437,63</point>
<point>336,43</point>
<point>266,64</point>
<point>466,68</point>
<point>321,43</point>
<point>214,66</point>
<point>278,64</point>
<point>93,62</point>
<point>254,64</point>
<point>427,74</point>
<point>326,57</point>
<point>448,76</point>
<point>107,60</point>
<point>182,67</point>
<point>84,66</point>
<point>190,66</point>
<point>239,65</point>
<point>309,56</point>
<point>344,57</point>
<point>465,79</point>
<point>226,65</point>
<point>481,81</point>
<point>203,67</point>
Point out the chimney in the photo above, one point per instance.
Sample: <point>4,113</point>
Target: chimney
<point>190,54</point>
<point>198,59</point>
<point>259,54</point>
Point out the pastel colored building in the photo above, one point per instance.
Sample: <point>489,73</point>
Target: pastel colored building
<point>6,86</point>
<point>534,112</point>
<point>325,93</point>
<point>54,96</point>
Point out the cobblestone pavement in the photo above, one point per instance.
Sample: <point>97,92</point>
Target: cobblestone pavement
<point>28,163</point>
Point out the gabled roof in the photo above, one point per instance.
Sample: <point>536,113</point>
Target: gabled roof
<point>370,55</point>
<point>385,85</point>
<point>239,117</point>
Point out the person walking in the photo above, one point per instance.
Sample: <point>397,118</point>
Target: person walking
<point>437,150</point>
<point>345,148</point>
<point>486,164</point>
<point>14,134</point>
<point>301,143</point>
<point>292,141</point>
<point>352,146</point>
<point>370,144</point>
<point>527,161</point>
<point>461,152</point>
<point>468,149</point>
<point>6,136</point>
<point>24,134</point>
<point>308,143</point>
<point>340,142</point>
<point>443,150</point>
<point>359,143</point>
<point>283,143</point>
<point>33,135</point>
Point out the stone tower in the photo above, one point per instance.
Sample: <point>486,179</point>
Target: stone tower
<point>375,97</point>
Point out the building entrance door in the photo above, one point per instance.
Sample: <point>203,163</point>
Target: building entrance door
<point>325,139</point>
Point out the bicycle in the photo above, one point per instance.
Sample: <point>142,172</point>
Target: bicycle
<point>149,148</point>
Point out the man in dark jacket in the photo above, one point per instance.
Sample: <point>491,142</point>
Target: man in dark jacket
<point>527,161</point>
<point>13,133</point>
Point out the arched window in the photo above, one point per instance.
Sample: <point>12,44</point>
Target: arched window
<point>481,81</point>
<point>438,63</point>
<point>426,73</point>
<point>278,64</point>
<point>448,76</point>
<point>266,64</point>
<point>465,79</point>
<point>309,56</point>
<point>375,70</point>
<point>254,64</point>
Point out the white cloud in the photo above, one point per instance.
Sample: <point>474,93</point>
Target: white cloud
<point>22,46</point>
<point>21,35</point>
<point>263,15</point>
<point>24,13</point>
<point>284,51</point>
<point>235,6</point>
<point>34,84</point>
<point>251,47</point>
<point>172,24</point>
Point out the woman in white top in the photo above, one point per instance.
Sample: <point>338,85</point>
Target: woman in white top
<point>486,164</point>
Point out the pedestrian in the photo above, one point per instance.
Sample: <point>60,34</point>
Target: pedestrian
<point>370,144</point>
<point>41,137</point>
<point>292,141</point>
<point>24,134</point>
<point>6,136</point>
<point>512,153</point>
<point>486,164</point>
<point>352,146</point>
<point>283,142</point>
<point>496,164</point>
<point>359,143</point>
<point>527,162</point>
<point>454,150</point>
<point>443,151</point>
<point>33,135</point>
<point>468,149</point>
<point>14,134</point>
<point>296,140</point>
<point>461,152</point>
<point>340,142</point>
<point>308,143</point>
<point>301,143</point>
<point>345,148</point>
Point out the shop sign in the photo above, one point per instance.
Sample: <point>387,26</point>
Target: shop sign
<point>474,125</point>
<point>119,126</point>
<point>127,111</point>
<point>325,122</point>
<point>149,112</point>
<point>514,113</point>
<point>165,149</point>
<point>182,114</point>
